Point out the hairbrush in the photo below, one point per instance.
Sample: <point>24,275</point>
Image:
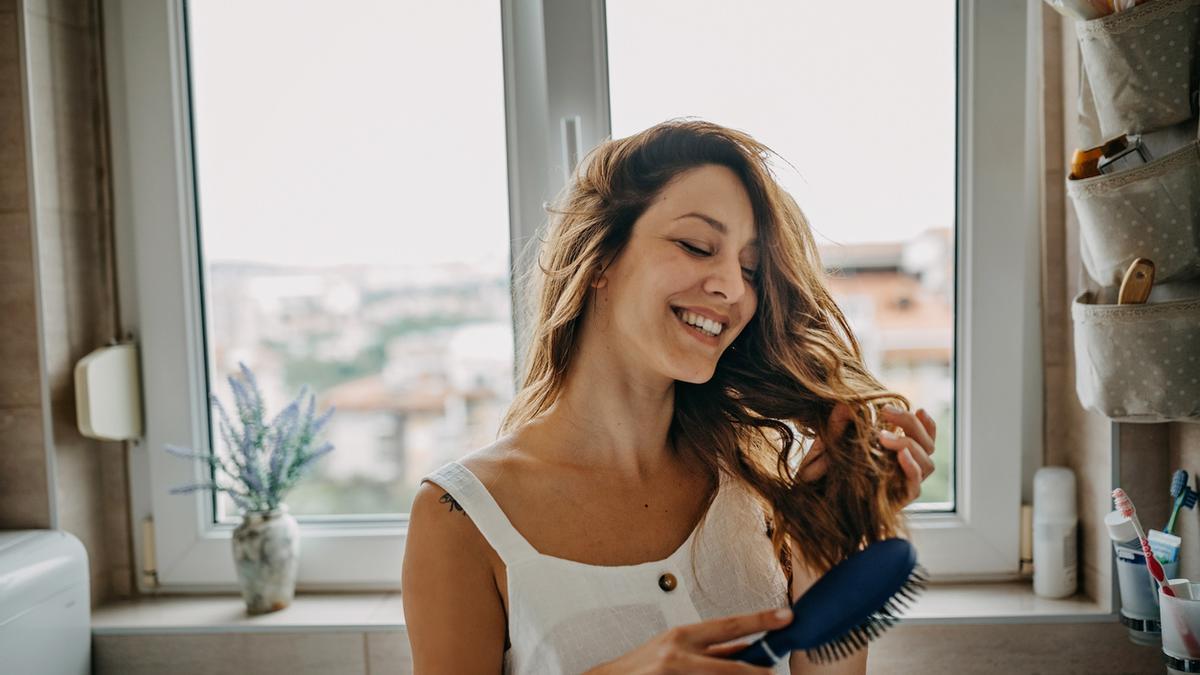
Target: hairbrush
<point>852,604</point>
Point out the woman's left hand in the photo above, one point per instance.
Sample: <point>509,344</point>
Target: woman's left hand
<point>914,449</point>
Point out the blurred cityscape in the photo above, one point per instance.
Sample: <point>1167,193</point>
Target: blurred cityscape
<point>419,362</point>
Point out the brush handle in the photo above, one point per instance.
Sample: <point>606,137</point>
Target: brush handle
<point>757,654</point>
<point>1175,510</point>
<point>1155,567</point>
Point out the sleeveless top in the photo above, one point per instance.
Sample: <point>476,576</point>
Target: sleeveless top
<point>566,616</point>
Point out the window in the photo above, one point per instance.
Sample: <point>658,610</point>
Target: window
<point>287,207</point>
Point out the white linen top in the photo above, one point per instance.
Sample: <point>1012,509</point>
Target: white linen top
<point>566,616</point>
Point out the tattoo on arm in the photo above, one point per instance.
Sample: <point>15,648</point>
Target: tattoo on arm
<point>454,505</point>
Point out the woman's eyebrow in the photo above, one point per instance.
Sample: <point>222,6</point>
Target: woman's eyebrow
<point>714,223</point>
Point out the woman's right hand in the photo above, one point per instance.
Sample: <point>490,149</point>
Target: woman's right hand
<point>698,648</point>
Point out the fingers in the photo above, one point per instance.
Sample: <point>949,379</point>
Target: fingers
<point>913,474</point>
<point>707,665</point>
<point>715,631</point>
<point>912,426</point>
<point>907,446</point>
<point>928,423</point>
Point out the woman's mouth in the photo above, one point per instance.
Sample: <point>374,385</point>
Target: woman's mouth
<point>698,325</point>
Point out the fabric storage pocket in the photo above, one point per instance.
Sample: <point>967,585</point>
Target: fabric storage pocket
<point>1151,211</point>
<point>1141,64</point>
<point>1138,363</point>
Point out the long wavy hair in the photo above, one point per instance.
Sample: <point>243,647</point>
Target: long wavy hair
<point>774,388</point>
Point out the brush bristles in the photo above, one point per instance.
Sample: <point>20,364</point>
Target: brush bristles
<point>1122,503</point>
<point>857,638</point>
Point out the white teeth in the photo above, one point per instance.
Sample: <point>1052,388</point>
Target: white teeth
<point>708,326</point>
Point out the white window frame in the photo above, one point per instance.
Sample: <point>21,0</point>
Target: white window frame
<point>555,69</point>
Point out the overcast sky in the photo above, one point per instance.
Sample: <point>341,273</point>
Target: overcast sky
<point>372,131</point>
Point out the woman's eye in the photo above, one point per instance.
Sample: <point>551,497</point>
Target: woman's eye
<point>694,250</point>
<point>749,273</point>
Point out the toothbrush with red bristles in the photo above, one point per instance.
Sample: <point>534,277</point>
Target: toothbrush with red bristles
<point>1124,504</point>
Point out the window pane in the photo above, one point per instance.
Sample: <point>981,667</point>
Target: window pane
<point>860,99</point>
<point>352,196</point>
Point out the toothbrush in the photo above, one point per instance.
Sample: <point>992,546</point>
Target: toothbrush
<point>1185,497</point>
<point>1124,504</point>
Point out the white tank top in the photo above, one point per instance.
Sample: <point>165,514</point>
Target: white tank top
<point>567,617</point>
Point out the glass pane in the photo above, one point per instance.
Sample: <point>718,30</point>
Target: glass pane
<point>353,210</point>
<point>860,99</point>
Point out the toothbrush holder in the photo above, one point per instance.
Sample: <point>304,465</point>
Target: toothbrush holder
<point>1179,616</point>
<point>1139,594</point>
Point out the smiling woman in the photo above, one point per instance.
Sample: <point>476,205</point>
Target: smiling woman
<point>648,500</point>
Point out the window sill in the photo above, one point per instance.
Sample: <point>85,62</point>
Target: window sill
<point>1009,602</point>
<point>200,614</point>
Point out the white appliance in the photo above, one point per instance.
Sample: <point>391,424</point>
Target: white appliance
<point>45,604</point>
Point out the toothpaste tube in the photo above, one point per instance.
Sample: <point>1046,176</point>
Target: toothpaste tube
<point>1164,546</point>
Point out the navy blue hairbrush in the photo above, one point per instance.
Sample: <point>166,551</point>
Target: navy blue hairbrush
<point>853,603</point>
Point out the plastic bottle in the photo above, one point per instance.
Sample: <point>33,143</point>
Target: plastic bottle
<point>1054,523</point>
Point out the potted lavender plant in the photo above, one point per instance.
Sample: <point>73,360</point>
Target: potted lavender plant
<point>264,462</point>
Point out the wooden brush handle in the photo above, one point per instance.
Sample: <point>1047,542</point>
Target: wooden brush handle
<point>1139,279</point>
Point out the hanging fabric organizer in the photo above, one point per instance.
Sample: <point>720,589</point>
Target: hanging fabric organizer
<point>1141,362</point>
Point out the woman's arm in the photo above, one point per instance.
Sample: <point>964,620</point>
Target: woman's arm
<point>454,612</point>
<point>855,664</point>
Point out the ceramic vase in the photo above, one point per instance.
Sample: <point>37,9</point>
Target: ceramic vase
<point>266,552</point>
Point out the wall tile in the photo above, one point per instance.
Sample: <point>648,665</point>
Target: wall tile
<point>24,490</point>
<point>75,81</point>
<point>1010,648</point>
<point>114,504</point>
<point>19,378</point>
<point>258,653</point>
<point>69,12</point>
<point>14,187</point>
<point>388,652</point>
<point>80,508</point>
<point>1184,441</point>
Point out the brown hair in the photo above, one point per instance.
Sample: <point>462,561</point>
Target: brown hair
<point>795,361</point>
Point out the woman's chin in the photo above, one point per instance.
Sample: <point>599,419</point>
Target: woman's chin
<point>695,375</point>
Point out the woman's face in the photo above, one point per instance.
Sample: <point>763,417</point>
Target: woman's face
<point>691,259</point>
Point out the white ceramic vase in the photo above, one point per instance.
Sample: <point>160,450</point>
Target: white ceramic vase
<point>266,552</point>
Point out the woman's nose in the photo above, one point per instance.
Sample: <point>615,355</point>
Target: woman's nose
<point>725,279</point>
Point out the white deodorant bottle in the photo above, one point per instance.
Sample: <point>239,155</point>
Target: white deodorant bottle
<point>1054,522</point>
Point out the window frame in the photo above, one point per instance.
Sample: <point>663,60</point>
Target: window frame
<point>555,68</point>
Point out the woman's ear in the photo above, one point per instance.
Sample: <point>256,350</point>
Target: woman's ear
<point>600,280</point>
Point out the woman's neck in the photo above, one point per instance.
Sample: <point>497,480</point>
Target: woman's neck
<point>611,415</point>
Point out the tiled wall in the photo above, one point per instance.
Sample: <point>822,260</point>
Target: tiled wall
<point>24,487</point>
<point>57,294</point>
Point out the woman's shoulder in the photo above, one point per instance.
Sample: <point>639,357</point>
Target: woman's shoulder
<point>497,463</point>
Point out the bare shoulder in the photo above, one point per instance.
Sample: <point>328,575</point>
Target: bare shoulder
<point>449,588</point>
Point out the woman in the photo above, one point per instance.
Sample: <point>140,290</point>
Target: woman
<point>649,498</point>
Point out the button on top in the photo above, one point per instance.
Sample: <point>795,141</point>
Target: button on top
<point>667,582</point>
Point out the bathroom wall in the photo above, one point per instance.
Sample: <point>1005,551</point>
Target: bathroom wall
<point>25,500</point>
<point>1183,450</point>
<point>57,274</point>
